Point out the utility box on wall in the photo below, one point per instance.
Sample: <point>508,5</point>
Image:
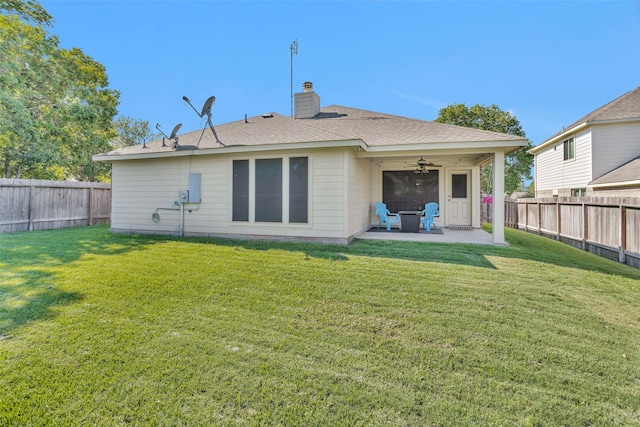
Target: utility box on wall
<point>194,188</point>
<point>192,195</point>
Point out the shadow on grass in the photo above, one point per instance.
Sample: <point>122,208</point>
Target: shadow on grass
<point>48,248</point>
<point>523,245</point>
<point>27,269</point>
<point>27,290</point>
<point>35,305</point>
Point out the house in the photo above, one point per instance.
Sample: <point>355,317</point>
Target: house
<point>313,177</point>
<point>595,156</point>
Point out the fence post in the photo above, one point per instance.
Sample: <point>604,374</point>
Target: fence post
<point>558,219</point>
<point>539,218</point>
<point>623,234</point>
<point>90,208</point>
<point>585,225</point>
<point>32,202</point>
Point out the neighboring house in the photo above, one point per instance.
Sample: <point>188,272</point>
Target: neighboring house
<point>595,156</point>
<point>315,177</point>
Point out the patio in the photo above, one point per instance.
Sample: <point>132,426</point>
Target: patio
<point>474,236</point>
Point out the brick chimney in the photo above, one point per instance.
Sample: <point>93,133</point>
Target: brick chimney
<point>307,103</point>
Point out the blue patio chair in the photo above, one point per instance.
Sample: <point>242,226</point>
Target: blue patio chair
<point>430,210</point>
<point>386,216</point>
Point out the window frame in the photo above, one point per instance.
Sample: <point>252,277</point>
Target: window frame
<point>268,195</point>
<point>294,200</point>
<point>569,149</point>
<point>578,192</point>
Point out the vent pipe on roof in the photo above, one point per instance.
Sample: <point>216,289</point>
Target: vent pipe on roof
<point>307,103</point>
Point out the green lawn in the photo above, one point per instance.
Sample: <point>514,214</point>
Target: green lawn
<point>113,329</point>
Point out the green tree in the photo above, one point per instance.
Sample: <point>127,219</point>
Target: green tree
<point>56,109</point>
<point>130,131</point>
<point>28,10</point>
<point>517,164</point>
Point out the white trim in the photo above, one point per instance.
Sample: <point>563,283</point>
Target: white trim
<point>448,147</point>
<point>558,138</point>
<point>106,157</point>
<point>617,184</point>
<point>563,135</point>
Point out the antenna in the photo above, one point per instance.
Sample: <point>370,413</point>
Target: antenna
<point>206,111</point>
<point>173,134</point>
<point>294,52</point>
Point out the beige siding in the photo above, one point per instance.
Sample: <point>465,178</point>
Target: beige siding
<point>614,145</point>
<point>359,193</point>
<point>140,187</point>
<point>554,173</point>
<point>549,169</point>
<point>577,172</point>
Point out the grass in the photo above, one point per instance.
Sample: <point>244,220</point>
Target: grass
<point>113,329</point>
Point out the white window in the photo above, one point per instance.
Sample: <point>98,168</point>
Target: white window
<point>569,148</point>
<point>578,192</point>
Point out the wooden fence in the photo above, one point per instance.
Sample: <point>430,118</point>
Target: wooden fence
<point>30,205</point>
<point>606,226</point>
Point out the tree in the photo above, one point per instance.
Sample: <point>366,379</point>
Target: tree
<point>517,164</point>
<point>28,10</point>
<point>130,131</point>
<point>56,109</point>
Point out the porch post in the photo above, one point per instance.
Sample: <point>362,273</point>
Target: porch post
<point>498,198</point>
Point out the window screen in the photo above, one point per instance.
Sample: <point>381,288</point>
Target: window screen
<point>408,191</point>
<point>240,190</point>
<point>269,190</point>
<point>459,186</point>
<point>298,189</point>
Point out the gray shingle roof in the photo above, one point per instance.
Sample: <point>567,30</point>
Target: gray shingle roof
<point>628,172</point>
<point>333,123</point>
<point>624,107</point>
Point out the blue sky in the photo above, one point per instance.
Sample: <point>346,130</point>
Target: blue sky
<point>548,63</point>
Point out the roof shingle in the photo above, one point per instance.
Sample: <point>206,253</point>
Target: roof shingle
<point>333,123</point>
<point>629,172</point>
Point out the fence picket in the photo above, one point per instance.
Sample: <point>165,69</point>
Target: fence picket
<point>609,227</point>
<point>29,205</point>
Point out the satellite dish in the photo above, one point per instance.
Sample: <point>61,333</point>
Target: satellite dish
<point>206,108</point>
<point>206,111</point>
<point>173,134</point>
<point>175,130</point>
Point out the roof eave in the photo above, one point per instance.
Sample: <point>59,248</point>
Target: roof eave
<point>553,140</point>
<point>106,157</point>
<point>475,146</point>
<point>561,136</point>
<point>633,183</point>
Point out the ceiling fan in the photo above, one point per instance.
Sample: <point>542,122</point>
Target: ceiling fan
<point>422,165</point>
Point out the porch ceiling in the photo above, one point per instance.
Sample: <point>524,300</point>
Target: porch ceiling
<point>445,160</point>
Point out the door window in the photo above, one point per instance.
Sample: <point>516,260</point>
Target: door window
<point>459,186</point>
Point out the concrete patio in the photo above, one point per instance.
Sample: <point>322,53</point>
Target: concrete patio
<point>473,236</point>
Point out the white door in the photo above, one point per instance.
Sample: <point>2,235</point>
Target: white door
<point>459,197</point>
